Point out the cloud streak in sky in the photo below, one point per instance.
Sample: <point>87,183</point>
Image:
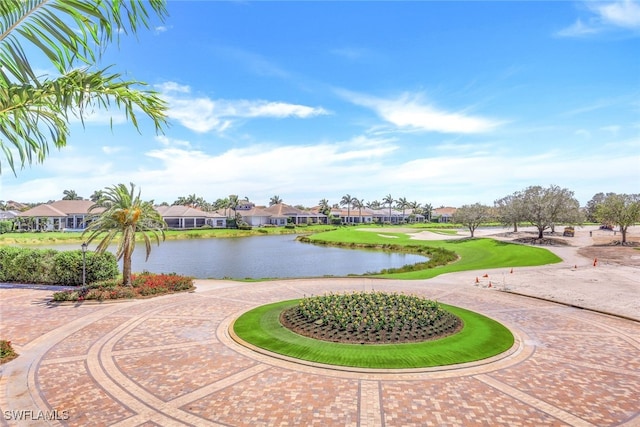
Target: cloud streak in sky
<point>606,16</point>
<point>203,114</point>
<point>411,112</point>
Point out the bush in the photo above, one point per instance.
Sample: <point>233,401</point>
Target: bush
<point>48,266</point>
<point>6,226</point>
<point>143,285</point>
<point>6,351</point>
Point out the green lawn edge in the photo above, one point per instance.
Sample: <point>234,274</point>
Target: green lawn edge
<point>480,338</point>
<point>474,254</point>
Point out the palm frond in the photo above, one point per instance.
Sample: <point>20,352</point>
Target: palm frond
<point>31,117</point>
<point>47,26</point>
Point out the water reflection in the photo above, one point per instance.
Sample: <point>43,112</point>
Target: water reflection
<point>259,257</point>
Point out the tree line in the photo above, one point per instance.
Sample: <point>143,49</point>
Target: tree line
<point>546,207</point>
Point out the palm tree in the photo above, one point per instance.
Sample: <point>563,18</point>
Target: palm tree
<point>222,204</point>
<point>347,200</point>
<point>35,108</point>
<point>70,195</point>
<point>428,210</point>
<point>375,204</point>
<point>126,214</point>
<point>324,207</point>
<point>415,208</point>
<point>275,200</point>
<point>403,204</point>
<point>359,204</point>
<point>388,199</point>
<point>234,200</point>
<point>96,196</point>
<point>191,200</point>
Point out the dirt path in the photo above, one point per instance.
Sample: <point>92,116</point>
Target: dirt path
<point>592,273</point>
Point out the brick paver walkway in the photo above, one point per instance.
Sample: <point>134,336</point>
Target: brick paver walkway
<point>170,361</point>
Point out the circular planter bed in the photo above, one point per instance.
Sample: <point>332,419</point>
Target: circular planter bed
<point>477,337</point>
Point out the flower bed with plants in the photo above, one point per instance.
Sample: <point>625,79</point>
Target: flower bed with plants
<point>370,318</point>
<point>7,352</point>
<point>142,286</point>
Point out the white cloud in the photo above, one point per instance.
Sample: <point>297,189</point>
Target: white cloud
<point>578,29</point>
<point>625,14</point>
<point>367,168</point>
<point>606,16</point>
<point>110,149</point>
<point>172,142</point>
<point>612,129</point>
<point>203,114</point>
<point>413,113</point>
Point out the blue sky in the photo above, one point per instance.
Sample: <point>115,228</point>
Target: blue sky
<point>445,103</point>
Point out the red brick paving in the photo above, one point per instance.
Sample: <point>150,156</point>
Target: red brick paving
<point>169,361</point>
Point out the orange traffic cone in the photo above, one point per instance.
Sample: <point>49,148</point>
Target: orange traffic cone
<point>489,285</point>
<point>477,280</point>
<point>511,272</point>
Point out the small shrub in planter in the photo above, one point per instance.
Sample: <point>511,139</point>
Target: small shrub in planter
<point>143,285</point>
<point>7,352</point>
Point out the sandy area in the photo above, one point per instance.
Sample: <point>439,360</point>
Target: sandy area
<point>612,285</point>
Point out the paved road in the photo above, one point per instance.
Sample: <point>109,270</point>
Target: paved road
<point>169,361</point>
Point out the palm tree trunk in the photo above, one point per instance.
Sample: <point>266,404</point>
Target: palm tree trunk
<point>126,268</point>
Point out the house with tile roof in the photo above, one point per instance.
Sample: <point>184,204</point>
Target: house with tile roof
<point>180,217</point>
<point>296,216</point>
<point>62,215</point>
<point>444,214</point>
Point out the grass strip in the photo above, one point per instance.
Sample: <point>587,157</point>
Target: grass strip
<point>475,254</point>
<point>480,338</point>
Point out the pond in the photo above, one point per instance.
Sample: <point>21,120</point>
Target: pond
<point>259,257</point>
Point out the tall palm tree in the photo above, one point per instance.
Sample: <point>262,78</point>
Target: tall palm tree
<point>36,108</point>
<point>124,214</point>
<point>428,211</point>
<point>96,196</point>
<point>374,204</point>
<point>275,200</point>
<point>234,200</point>
<point>347,200</point>
<point>359,204</point>
<point>70,195</point>
<point>388,199</point>
<point>415,207</point>
<point>324,206</point>
<point>402,204</point>
<point>222,204</point>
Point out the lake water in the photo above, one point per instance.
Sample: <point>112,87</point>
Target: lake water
<point>259,257</point>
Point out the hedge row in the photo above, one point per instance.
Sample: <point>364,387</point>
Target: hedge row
<point>48,266</point>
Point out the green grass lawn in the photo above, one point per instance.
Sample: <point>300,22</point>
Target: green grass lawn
<point>475,254</point>
<point>479,339</point>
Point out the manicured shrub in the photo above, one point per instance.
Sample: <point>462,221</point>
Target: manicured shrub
<point>6,226</point>
<point>47,266</point>
<point>33,266</point>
